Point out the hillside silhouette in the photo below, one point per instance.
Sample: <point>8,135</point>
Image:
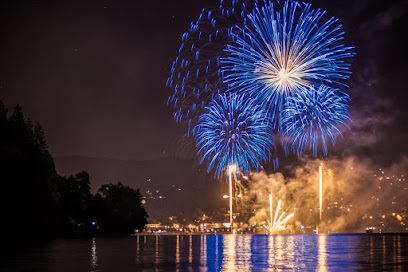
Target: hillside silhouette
<point>36,202</point>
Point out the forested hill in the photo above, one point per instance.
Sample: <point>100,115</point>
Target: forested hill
<point>36,202</point>
<point>27,176</point>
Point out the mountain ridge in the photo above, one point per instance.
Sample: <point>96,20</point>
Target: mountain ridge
<point>171,186</point>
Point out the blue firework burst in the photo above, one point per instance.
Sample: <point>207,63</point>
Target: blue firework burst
<point>282,51</point>
<point>313,118</point>
<point>233,131</point>
<point>195,78</point>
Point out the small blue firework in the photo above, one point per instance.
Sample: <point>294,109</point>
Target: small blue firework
<point>195,77</point>
<point>282,51</point>
<point>313,118</point>
<point>234,131</point>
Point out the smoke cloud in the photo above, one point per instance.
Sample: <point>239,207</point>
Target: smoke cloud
<point>350,193</point>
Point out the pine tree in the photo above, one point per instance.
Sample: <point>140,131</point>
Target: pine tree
<point>39,137</point>
<point>3,112</point>
<point>30,129</point>
<point>17,116</point>
<point>17,119</point>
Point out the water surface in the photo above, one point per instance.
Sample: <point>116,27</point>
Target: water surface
<point>301,252</point>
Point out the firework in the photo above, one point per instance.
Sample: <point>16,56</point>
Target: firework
<point>281,52</point>
<point>313,118</point>
<point>231,170</point>
<point>320,192</point>
<point>276,223</point>
<point>195,77</point>
<point>270,57</point>
<point>233,131</point>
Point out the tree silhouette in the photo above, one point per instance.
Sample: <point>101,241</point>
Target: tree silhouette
<point>39,137</point>
<point>75,200</point>
<point>122,211</point>
<point>30,129</point>
<point>17,118</point>
<point>3,113</point>
<point>35,202</point>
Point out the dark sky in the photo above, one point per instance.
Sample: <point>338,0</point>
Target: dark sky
<point>93,73</point>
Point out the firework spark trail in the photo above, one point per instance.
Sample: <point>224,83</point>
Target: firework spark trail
<point>277,211</point>
<point>234,132</point>
<point>270,206</point>
<point>320,192</point>
<point>276,223</point>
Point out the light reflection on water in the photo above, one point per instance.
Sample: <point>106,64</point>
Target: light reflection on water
<point>190,249</point>
<point>203,250</point>
<point>334,252</point>
<point>322,254</point>
<point>94,258</point>
<point>177,249</point>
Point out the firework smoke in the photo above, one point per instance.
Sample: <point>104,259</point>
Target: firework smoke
<point>349,188</point>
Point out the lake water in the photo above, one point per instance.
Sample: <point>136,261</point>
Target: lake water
<point>301,252</point>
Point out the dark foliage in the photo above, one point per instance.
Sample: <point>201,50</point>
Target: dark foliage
<point>119,210</point>
<point>36,203</point>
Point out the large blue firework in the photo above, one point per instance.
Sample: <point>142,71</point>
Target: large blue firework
<point>282,51</point>
<point>264,59</point>
<point>313,118</point>
<point>233,131</point>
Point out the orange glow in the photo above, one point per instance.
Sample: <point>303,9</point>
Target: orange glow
<point>320,191</point>
<point>322,261</point>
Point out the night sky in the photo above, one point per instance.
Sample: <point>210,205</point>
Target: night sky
<point>93,73</point>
